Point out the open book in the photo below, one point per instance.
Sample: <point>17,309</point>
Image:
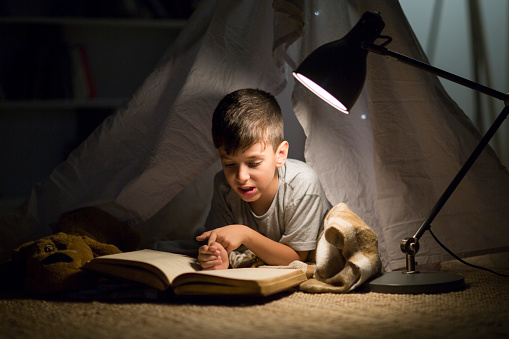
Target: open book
<point>163,270</point>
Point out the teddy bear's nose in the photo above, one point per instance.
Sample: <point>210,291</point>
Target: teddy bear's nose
<point>55,258</point>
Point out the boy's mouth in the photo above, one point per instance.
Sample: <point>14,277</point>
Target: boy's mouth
<point>246,191</point>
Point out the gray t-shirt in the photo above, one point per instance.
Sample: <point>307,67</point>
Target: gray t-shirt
<point>295,217</point>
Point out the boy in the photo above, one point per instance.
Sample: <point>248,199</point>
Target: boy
<point>273,206</point>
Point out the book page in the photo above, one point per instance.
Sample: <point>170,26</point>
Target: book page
<point>254,281</point>
<point>260,274</point>
<point>162,263</point>
<point>163,269</point>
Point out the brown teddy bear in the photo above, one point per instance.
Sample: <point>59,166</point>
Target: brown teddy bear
<point>53,264</point>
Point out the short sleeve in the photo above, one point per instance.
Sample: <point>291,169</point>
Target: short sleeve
<point>304,212</point>
<point>305,224</point>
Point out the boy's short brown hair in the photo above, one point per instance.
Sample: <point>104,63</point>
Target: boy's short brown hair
<point>246,117</point>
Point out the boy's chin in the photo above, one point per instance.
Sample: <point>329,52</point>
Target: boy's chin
<point>249,199</point>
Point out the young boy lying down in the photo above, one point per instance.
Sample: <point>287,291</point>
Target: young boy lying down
<point>272,205</point>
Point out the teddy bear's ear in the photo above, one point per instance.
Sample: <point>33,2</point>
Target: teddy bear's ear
<point>19,255</point>
<point>99,248</point>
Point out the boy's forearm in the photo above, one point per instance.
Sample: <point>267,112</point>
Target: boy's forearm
<point>271,252</point>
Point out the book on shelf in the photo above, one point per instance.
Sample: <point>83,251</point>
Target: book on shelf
<point>182,274</point>
<point>83,83</point>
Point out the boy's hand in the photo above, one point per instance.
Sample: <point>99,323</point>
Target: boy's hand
<point>213,257</point>
<point>230,237</point>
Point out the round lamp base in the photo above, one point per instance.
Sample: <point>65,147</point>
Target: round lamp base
<point>401,282</point>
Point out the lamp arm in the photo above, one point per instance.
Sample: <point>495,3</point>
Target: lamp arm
<point>382,50</point>
<point>410,246</point>
<point>462,172</point>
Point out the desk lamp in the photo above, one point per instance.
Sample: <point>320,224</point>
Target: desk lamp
<point>336,73</point>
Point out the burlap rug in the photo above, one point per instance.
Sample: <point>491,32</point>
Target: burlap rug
<point>479,311</point>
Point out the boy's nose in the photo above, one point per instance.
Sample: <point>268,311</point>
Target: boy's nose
<point>242,174</point>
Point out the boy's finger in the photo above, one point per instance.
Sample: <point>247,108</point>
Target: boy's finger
<point>204,257</point>
<point>214,244</point>
<point>203,236</point>
<point>206,250</point>
<point>210,262</point>
<point>212,237</point>
<point>207,265</point>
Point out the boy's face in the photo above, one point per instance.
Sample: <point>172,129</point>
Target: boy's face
<point>252,174</point>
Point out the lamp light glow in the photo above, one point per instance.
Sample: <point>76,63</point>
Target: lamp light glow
<point>321,93</point>
<point>336,71</point>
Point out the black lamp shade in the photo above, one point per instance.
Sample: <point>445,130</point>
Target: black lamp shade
<point>339,67</point>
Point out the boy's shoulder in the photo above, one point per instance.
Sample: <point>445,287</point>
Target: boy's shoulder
<point>296,169</point>
<point>298,180</point>
<point>300,177</point>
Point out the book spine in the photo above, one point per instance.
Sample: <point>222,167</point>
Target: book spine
<point>89,81</point>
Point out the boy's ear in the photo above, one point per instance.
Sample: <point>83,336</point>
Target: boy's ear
<point>282,153</point>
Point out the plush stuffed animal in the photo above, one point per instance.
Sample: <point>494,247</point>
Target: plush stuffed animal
<point>346,253</point>
<point>53,264</point>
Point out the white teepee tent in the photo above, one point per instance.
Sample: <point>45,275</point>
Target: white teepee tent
<point>150,164</point>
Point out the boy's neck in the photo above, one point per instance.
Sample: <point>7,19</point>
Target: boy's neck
<point>262,205</point>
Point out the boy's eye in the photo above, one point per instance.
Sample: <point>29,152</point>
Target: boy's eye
<point>229,165</point>
<point>254,164</point>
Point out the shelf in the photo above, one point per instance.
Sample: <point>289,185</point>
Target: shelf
<point>70,60</point>
<point>113,22</point>
<point>107,103</point>
<point>119,54</point>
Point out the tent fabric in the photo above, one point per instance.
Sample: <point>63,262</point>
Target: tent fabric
<point>404,141</point>
<point>389,160</point>
<point>148,151</point>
